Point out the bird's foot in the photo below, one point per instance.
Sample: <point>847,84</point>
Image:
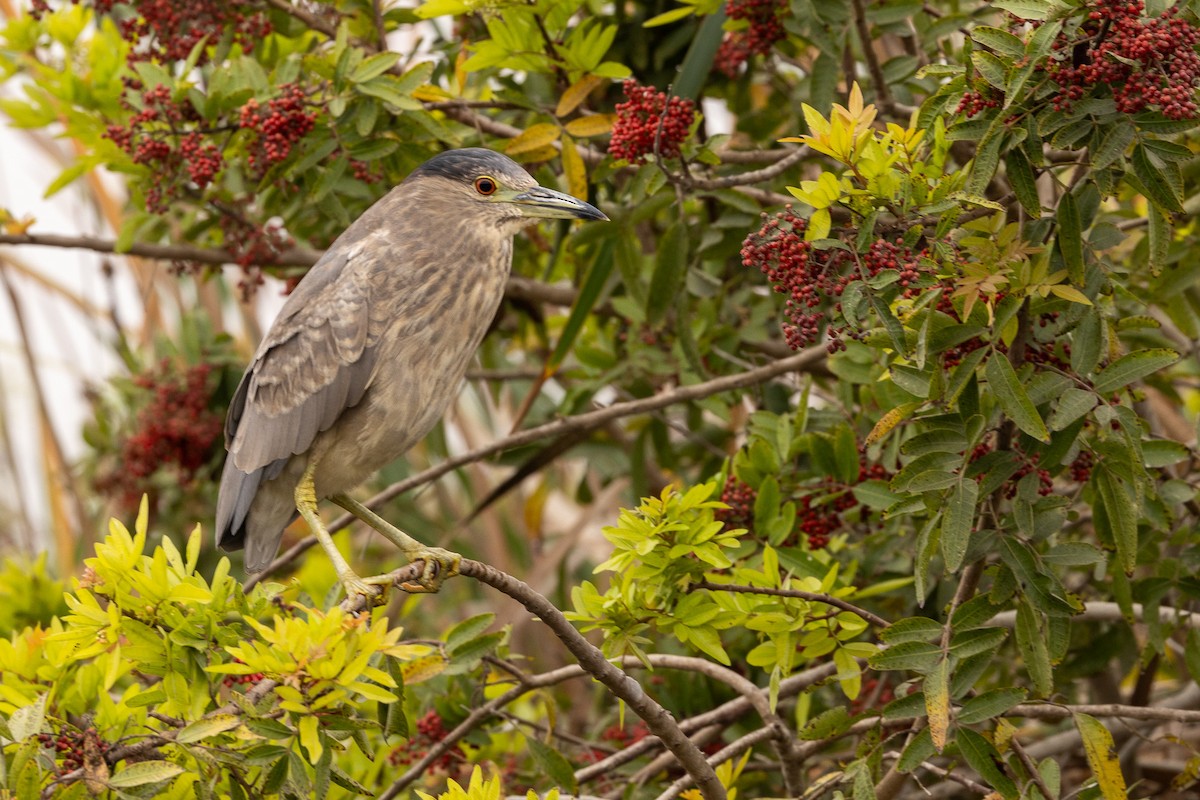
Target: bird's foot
<point>439,565</point>
<point>373,590</point>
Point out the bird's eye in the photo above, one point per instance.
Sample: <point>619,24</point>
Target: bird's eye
<point>485,185</point>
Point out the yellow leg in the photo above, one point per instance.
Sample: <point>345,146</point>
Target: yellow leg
<point>439,564</point>
<point>374,588</point>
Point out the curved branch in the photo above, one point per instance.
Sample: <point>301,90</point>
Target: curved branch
<point>658,720</point>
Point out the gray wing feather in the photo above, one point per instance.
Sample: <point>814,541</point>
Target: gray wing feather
<point>317,361</point>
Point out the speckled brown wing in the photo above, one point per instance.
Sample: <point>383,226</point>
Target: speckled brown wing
<point>317,360</point>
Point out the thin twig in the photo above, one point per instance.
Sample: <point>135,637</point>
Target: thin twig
<point>814,597</point>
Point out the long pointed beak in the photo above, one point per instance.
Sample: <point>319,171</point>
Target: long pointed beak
<point>547,203</point>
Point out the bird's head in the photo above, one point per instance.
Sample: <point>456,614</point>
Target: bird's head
<point>482,184</point>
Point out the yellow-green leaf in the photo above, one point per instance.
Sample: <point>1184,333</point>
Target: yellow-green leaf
<point>591,125</point>
<point>576,94</point>
<point>1102,756</point>
<point>310,739</point>
<point>937,701</point>
<point>533,138</point>
<point>889,421</point>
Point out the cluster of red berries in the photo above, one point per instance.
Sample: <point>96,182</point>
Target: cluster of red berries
<point>813,279</point>
<point>973,103</point>
<point>175,430</point>
<point>740,498</point>
<point>430,730</point>
<point>284,121</point>
<point>229,681</point>
<point>765,18</point>
<point>1147,62</point>
<point>149,135</point>
<point>168,30</point>
<point>819,514</point>
<point>1081,467</point>
<point>71,747</point>
<point>648,117</point>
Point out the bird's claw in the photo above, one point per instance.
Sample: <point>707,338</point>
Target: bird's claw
<point>438,565</point>
<point>373,590</point>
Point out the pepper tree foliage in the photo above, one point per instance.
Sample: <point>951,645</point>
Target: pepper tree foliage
<point>959,520</point>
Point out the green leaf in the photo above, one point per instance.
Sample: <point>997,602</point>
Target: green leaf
<point>1011,396</point>
<point>1122,513</point>
<point>1031,9</point>
<point>916,656</point>
<point>957,522</point>
<point>144,772</point>
<point>918,750</point>
<point>1132,367</point>
<point>374,66</point>
<point>1087,342</point>
<point>984,759</point>
<point>993,70</point>
<point>1070,237</point>
<point>892,325</point>
<point>1101,754</point>
<point>585,302</point>
<point>1000,40</point>
<point>670,268</point>
<point>209,726</point>
<point>1114,144</point>
<point>1034,652</point>
<point>556,766</point>
<point>1023,181</point>
<point>1155,184</point>
<point>1164,453</point>
<point>831,722</point>
<point>1072,404</point>
<point>468,629</point>
<point>988,705</point>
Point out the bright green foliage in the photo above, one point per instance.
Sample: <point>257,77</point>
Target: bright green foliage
<point>142,651</point>
<point>975,495</point>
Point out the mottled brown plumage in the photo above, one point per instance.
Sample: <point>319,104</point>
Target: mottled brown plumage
<point>371,346</point>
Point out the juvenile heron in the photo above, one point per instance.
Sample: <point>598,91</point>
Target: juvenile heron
<point>369,350</point>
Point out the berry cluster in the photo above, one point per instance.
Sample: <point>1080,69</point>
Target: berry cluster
<point>168,30</point>
<point>150,137</point>
<point>1081,467</point>
<point>765,18</point>
<point>1146,62</point>
<point>176,430</point>
<point>648,117</point>
<point>875,694</point>
<point>819,514</point>
<point>284,121</point>
<point>1028,465</point>
<point>431,729</point>
<point>249,679</point>
<point>72,746</point>
<point>813,279</point>
<point>973,103</point>
<point>740,499</point>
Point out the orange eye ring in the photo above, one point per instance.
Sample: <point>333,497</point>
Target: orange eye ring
<point>486,185</point>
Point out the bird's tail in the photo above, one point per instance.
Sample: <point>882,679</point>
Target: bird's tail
<point>250,516</point>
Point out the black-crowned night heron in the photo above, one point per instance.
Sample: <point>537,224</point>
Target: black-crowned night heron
<point>369,350</point>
